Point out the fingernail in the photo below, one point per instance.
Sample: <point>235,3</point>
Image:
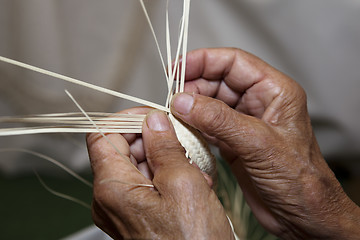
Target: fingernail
<point>183,103</point>
<point>158,121</point>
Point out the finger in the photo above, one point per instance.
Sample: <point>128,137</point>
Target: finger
<point>137,150</point>
<point>135,140</point>
<point>137,154</point>
<point>240,70</point>
<point>240,132</point>
<point>104,156</point>
<point>110,163</point>
<point>159,141</point>
<point>117,182</point>
<point>242,81</point>
<point>131,137</point>
<point>145,170</point>
<point>166,157</point>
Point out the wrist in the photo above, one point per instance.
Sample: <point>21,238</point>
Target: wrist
<point>329,212</point>
<point>339,215</point>
<point>348,224</point>
<point>327,223</point>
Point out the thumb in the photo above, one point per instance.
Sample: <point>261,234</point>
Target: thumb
<point>166,156</point>
<point>242,133</point>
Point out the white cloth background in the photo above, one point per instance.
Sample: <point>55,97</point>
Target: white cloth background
<point>109,43</point>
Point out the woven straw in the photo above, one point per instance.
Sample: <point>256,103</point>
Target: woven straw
<point>197,149</point>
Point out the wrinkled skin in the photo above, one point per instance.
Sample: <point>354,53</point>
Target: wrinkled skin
<point>258,118</point>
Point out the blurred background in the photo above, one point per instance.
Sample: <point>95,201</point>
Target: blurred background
<point>109,43</point>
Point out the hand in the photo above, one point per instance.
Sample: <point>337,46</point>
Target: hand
<point>260,122</point>
<point>181,205</point>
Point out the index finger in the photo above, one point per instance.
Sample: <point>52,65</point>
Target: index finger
<point>242,81</point>
<point>109,163</point>
<point>110,158</point>
<point>239,69</point>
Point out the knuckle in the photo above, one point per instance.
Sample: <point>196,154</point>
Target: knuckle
<point>298,92</point>
<point>184,181</point>
<point>92,139</point>
<point>211,117</point>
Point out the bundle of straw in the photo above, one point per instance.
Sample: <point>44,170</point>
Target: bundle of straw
<point>195,146</point>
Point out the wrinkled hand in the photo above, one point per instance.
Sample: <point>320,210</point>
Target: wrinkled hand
<point>260,122</point>
<point>181,205</point>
